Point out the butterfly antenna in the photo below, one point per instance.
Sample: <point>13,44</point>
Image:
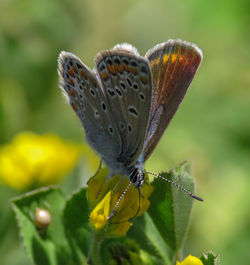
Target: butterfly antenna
<point>176,185</point>
<point>117,203</point>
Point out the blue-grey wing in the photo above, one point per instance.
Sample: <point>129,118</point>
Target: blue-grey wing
<point>126,80</point>
<point>88,99</point>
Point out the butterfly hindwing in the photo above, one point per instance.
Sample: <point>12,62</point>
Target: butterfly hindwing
<point>173,65</point>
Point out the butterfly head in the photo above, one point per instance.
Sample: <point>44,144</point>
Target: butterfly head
<point>136,176</point>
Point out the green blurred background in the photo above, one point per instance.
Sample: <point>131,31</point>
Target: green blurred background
<point>211,128</point>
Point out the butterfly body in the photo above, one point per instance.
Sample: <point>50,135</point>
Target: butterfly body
<point>127,101</point>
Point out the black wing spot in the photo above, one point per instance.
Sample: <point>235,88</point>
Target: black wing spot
<point>83,107</point>
<point>141,96</point>
<point>96,113</point>
<point>121,125</point>
<point>125,61</point>
<point>104,107</point>
<point>70,63</point>
<point>102,67</point>
<point>124,88</point>
<point>134,63</point>
<point>129,82</point>
<point>80,96</point>
<point>129,128</point>
<point>118,91</point>
<point>111,130</point>
<point>109,61</point>
<point>111,92</point>
<point>92,92</point>
<point>78,66</point>
<point>132,110</point>
<point>135,86</point>
<point>117,60</point>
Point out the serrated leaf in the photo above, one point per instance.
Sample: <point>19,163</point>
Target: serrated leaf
<point>49,247</point>
<point>170,207</point>
<point>209,258</point>
<point>76,222</point>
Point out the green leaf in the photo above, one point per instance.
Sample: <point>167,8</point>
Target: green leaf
<point>146,235</point>
<point>48,247</point>
<point>209,258</point>
<point>76,221</point>
<point>170,207</point>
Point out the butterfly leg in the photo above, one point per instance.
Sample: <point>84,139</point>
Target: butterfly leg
<point>98,169</point>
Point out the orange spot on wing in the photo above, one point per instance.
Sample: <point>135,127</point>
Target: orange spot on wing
<point>72,93</point>
<point>92,81</point>
<point>127,68</point>
<point>165,58</point>
<point>83,74</point>
<point>134,70</point>
<point>104,75</point>
<point>74,68</point>
<point>155,62</point>
<point>74,106</point>
<point>71,73</point>
<point>71,82</point>
<point>174,57</point>
<point>119,68</point>
<point>111,69</point>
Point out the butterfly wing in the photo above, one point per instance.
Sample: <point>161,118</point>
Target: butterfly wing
<point>173,65</point>
<point>126,80</point>
<point>112,104</point>
<point>85,94</point>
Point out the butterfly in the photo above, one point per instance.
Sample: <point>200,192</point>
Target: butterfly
<point>127,101</point>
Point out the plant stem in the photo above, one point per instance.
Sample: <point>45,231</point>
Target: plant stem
<point>94,252</point>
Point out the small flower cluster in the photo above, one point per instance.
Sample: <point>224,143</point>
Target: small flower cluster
<point>103,195</point>
<point>190,260</point>
<point>32,160</point>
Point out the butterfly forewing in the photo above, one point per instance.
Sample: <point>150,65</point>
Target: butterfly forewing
<point>126,80</point>
<point>173,65</point>
<point>85,95</point>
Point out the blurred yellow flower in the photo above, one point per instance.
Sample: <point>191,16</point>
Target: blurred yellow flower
<point>190,260</point>
<point>36,160</point>
<point>103,196</point>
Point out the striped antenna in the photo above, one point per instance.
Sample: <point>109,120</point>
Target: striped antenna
<point>176,185</point>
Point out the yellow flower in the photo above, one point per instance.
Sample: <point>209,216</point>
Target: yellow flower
<point>103,196</point>
<point>190,260</point>
<point>36,160</point>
